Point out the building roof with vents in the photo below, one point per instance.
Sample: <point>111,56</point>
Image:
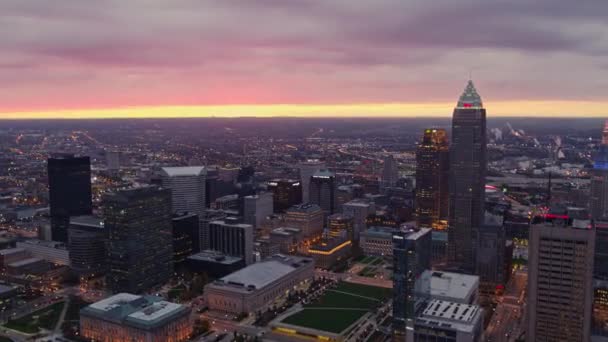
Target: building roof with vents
<point>184,171</point>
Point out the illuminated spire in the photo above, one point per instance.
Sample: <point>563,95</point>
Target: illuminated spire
<point>470,98</point>
<point>605,134</point>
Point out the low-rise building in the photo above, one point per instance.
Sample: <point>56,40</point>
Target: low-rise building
<point>377,241</point>
<point>448,286</point>
<point>10,255</point>
<point>129,317</point>
<point>254,287</point>
<point>286,238</point>
<point>330,252</point>
<point>215,264</point>
<point>51,251</point>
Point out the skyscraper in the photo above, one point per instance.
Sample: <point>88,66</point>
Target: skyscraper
<point>307,170</point>
<point>286,193</point>
<point>411,257</point>
<point>323,190</point>
<point>359,210</point>
<point>560,288</point>
<point>69,192</point>
<point>256,208</point>
<point>432,175</point>
<point>467,178</point>
<point>491,255</point>
<point>599,180</point>
<point>87,245</point>
<point>390,172</point>
<point>187,186</point>
<point>140,244</point>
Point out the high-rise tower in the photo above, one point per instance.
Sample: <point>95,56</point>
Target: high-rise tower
<point>467,178</point>
<point>432,175</point>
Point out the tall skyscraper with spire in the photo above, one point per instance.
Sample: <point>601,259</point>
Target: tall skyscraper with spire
<point>467,179</point>
<point>599,180</point>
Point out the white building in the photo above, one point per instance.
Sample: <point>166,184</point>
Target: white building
<point>256,208</point>
<point>449,321</point>
<point>232,238</point>
<point>254,287</point>
<point>448,286</point>
<point>187,185</point>
<point>51,251</point>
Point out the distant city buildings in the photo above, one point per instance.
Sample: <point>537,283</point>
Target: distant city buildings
<point>129,317</point>
<point>69,192</point>
<point>432,180</point>
<point>140,243</point>
<point>467,179</point>
<point>390,172</point>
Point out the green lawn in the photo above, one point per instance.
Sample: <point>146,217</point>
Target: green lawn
<point>339,308</point>
<point>334,321</point>
<point>45,318</point>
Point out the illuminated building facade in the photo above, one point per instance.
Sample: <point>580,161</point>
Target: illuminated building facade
<point>128,317</point>
<point>69,192</point>
<point>432,175</point>
<point>286,193</point>
<point>560,282</point>
<point>467,179</point>
<point>340,225</point>
<point>140,248</point>
<point>330,252</point>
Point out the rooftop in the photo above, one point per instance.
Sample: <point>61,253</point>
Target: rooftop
<point>448,286</point>
<point>470,98</point>
<point>214,256</point>
<point>457,316</point>
<point>261,274</point>
<point>324,173</point>
<point>9,251</point>
<point>306,207</point>
<point>144,312</point>
<point>286,231</point>
<point>43,243</point>
<point>88,221</point>
<point>183,171</point>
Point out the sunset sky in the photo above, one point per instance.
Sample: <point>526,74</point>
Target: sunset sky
<point>166,58</point>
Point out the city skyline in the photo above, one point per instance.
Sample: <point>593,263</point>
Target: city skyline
<point>312,59</point>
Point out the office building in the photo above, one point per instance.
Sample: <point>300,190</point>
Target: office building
<point>128,317</point>
<point>257,208</point>
<point>87,238</point>
<point>359,210</point>
<point>448,286</point>
<point>432,175</point>
<point>411,257</point>
<point>309,218</point>
<point>286,239</point>
<point>209,216</point>
<point>491,251</point>
<point>285,193</point>
<point>340,225</point>
<point>330,252</point>
<point>256,286</point>
<point>214,264</point>
<point>467,179</point>
<point>377,241</point>
<point>600,283</point>
<point>69,192</point>
<point>52,251</point>
<point>232,238</point>
<point>187,186</point>
<point>186,236</point>
<point>390,172</point>
<point>307,170</point>
<point>599,180</point>
<point>323,188</point>
<point>560,282</point>
<point>140,248</point>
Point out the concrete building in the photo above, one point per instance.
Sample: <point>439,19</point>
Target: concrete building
<point>449,322</point>
<point>309,218</point>
<point>215,264</point>
<point>28,266</point>
<point>491,251</point>
<point>51,251</point>
<point>287,239</point>
<point>140,249</point>
<point>377,241</point>
<point>232,238</point>
<point>340,225</point>
<point>87,238</point>
<point>256,286</point>
<point>187,186</point>
<point>128,317</point>
<point>11,255</point>
<point>560,282</point>
<point>359,210</point>
<point>256,208</point>
<point>448,286</point>
<point>307,170</point>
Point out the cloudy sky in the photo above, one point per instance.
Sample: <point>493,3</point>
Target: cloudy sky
<point>78,58</point>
